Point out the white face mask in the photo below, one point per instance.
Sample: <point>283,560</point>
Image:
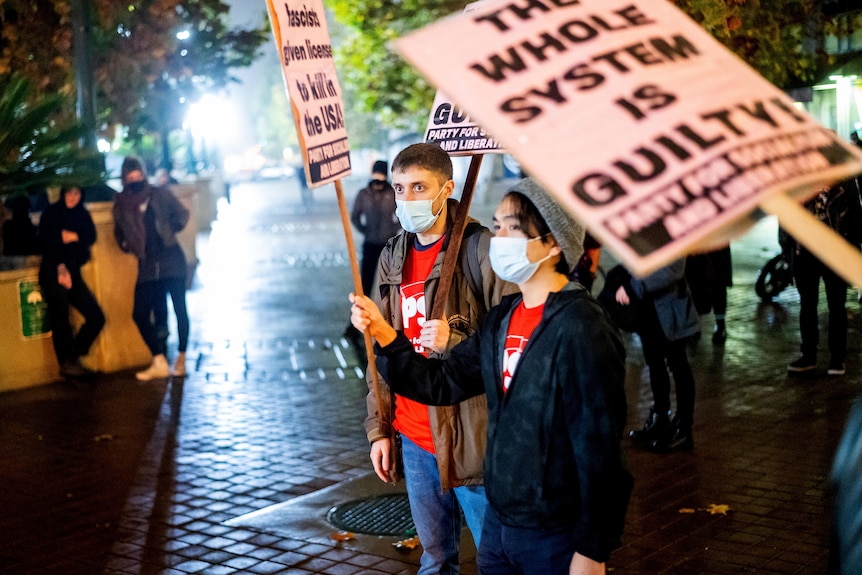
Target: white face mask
<point>417,216</point>
<point>509,259</point>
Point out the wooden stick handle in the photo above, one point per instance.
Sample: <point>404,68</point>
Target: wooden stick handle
<point>450,260</point>
<point>357,288</point>
<point>817,237</point>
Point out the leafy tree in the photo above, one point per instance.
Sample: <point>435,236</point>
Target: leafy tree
<point>36,150</point>
<point>380,81</point>
<point>145,74</point>
<point>781,39</point>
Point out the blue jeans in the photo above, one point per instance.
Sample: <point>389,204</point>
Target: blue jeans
<point>517,551</point>
<point>437,515</point>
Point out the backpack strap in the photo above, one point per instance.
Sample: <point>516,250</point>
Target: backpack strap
<point>473,271</point>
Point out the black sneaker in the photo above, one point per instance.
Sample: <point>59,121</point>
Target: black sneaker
<point>680,439</point>
<point>656,427</point>
<point>836,368</point>
<point>802,364</point>
<point>74,370</point>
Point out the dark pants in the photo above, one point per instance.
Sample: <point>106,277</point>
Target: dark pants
<point>807,271</point>
<point>150,300</point>
<point>69,347</point>
<point>370,256</point>
<point>508,550</point>
<point>661,355</point>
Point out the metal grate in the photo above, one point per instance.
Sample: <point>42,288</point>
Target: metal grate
<point>382,515</point>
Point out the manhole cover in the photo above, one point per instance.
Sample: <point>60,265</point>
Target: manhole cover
<point>382,515</point>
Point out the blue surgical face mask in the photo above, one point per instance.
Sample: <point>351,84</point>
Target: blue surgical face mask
<point>417,216</point>
<point>509,259</point>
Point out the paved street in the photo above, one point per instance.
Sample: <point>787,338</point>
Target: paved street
<point>233,468</point>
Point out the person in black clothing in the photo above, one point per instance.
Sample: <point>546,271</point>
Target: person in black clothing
<point>374,216</point>
<point>839,208</point>
<point>709,274</point>
<point>588,265</point>
<point>665,318</point>
<point>66,232</point>
<point>19,233</point>
<point>147,220</point>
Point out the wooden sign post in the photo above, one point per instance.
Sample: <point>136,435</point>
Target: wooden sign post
<point>303,44</point>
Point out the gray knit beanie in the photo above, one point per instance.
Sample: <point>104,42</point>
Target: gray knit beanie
<point>568,232</point>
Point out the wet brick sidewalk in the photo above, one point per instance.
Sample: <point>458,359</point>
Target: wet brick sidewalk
<point>131,478</point>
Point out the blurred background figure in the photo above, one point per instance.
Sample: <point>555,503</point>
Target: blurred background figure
<point>147,220</point>
<point>665,319</point>
<point>588,265</point>
<point>839,208</point>
<point>374,216</point>
<point>66,232</point>
<point>709,275</point>
<point>19,233</point>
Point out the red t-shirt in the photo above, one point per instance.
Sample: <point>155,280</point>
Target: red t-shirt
<point>411,417</point>
<point>524,321</point>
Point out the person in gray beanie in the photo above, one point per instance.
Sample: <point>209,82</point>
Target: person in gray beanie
<point>552,366</point>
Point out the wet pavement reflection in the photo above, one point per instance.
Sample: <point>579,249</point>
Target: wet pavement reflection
<point>124,477</point>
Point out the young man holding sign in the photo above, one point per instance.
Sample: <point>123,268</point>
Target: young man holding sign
<point>442,447</point>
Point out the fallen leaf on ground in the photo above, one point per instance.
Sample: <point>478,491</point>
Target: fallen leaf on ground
<point>717,509</point>
<point>406,545</point>
<point>342,536</point>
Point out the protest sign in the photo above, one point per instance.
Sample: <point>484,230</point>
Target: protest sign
<point>302,39</point>
<point>452,128</point>
<point>640,123</point>
<point>455,132</point>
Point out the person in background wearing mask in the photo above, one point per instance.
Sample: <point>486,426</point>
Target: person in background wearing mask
<point>441,447</point>
<point>146,222</point>
<point>552,366</point>
<point>373,215</point>
<point>66,232</point>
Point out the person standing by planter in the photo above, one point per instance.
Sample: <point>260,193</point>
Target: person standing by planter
<point>66,232</point>
<point>147,220</point>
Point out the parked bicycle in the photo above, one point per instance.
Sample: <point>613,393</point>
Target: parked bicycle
<point>777,273</point>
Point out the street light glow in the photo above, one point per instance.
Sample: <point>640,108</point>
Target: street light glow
<point>184,35</point>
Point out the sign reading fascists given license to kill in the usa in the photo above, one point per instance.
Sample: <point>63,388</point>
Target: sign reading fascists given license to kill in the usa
<point>639,122</point>
<point>302,39</point>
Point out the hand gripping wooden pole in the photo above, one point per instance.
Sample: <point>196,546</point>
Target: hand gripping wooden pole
<point>357,288</point>
<point>450,260</point>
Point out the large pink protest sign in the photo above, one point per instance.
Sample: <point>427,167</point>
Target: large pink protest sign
<point>639,122</point>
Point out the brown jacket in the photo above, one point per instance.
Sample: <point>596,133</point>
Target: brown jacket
<point>460,430</point>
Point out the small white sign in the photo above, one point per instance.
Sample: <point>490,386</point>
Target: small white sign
<point>455,132</point>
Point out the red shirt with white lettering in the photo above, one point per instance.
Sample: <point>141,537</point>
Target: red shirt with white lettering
<point>521,326</point>
<point>411,417</point>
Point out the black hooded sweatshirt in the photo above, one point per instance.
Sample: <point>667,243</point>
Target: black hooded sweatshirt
<point>56,218</point>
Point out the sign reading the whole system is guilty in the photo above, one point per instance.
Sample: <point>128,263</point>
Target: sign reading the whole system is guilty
<point>639,122</point>
<point>303,42</point>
